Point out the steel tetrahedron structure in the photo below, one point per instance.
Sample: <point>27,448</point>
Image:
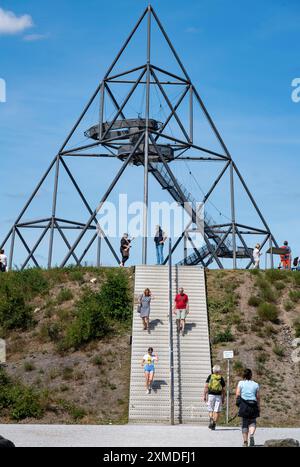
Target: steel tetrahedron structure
<point>144,140</point>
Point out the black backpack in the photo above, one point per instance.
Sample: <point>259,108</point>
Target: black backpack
<point>4,443</point>
<point>295,263</point>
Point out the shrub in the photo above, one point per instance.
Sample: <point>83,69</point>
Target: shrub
<point>261,358</point>
<point>274,275</point>
<point>255,272</point>
<point>29,366</point>
<point>51,331</point>
<point>14,313</point>
<point>268,312</point>
<point>223,336</point>
<point>90,322</point>
<point>115,296</point>
<point>254,301</point>
<point>279,285</point>
<point>297,327</point>
<point>19,400</point>
<point>64,296</point>
<point>270,330</point>
<point>266,291</point>
<point>288,306</point>
<point>239,367</point>
<point>76,275</point>
<point>294,296</point>
<point>97,360</point>
<point>296,279</point>
<point>278,350</point>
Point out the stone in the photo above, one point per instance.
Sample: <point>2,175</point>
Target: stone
<point>94,280</point>
<point>282,443</point>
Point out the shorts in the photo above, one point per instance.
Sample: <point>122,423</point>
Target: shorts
<point>214,403</point>
<point>149,368</point>
<point>181,314</point>
<point>248,423</point>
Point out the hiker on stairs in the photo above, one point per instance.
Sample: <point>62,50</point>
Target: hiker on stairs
<point>214,396</point>
<point>144,308</point>
<point>181,309</point>
<point>148,363</point>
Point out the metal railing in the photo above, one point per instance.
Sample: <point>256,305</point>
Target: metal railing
<point>171,344</point>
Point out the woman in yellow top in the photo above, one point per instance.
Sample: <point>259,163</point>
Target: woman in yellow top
<point>149,368</point>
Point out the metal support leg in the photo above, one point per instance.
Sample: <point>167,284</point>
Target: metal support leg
<point>233,215</point>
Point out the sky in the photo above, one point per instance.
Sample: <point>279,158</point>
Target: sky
<point>241,56</point>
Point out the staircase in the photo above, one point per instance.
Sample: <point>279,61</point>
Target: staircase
<point>180,194</point>
<point>192,362</point>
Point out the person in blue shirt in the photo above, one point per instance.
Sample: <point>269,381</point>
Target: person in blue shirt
<point>248,401</point>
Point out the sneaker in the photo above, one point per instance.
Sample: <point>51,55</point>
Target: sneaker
<point>148,391</point>
<point>245,445</point>
<point>213,427</point>
<point>211,422</point>
<point>252,442</point>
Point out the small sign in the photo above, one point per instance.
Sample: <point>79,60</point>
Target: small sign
<point>2,351</point>
<point>228,354</point>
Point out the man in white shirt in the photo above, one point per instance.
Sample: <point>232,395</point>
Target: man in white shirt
<point>256,256</point>
<point>3,261</point>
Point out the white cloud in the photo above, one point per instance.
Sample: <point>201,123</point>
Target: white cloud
<point>10,23</point>
<point>34,37</point>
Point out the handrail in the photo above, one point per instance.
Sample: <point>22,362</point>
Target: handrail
<point>171,347</point>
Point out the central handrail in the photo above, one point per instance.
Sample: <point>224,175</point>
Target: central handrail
<point>171,347</point>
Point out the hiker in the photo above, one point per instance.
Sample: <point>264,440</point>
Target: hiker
<point>256,256</point>
<point>148,362</point>
<point>286,259</point>
<point>214,396</point>
<point>296,264</point>
<point>160,239</point>
<point>248,401</point>
<point>125,249</point>
<point>3,261</point>
<point>144,308</point>
<point>181,309</point>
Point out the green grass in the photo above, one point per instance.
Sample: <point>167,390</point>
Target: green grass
<point>254,301</point>
<point>268,312</point>
<point>64,295</point>
<point>278,350</point>
<point>296,325</point>
<point>29,366</point>
<point>19,401</point>
<point>294,296</point>
<point>223,336</point>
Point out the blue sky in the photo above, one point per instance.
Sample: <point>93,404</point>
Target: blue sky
<point>241,56</point>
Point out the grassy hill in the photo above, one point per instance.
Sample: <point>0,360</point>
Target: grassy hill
<point>68,341</point>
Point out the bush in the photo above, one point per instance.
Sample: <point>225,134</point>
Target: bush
<point>294,296</point>
<point>268,312</point>
<point>297,327</point>
<point>64,296</point>
<point>279,351</point>
<point>115,296</point>
<point>29,366</point>
<point>239,367</point>
<point>223,336</point>
<point>266,291</point>
<point>90,322</point>
<point>288,306</point>
<point>19,400</point>
<point>254,301</point>
<point>14,313</point>
<point>279,285</point>
<point>273,275</point>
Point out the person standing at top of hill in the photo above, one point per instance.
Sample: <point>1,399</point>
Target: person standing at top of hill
<point>160,239</point>
<point>214,396</point>
<point>125,249</point>
<point>248,401</point>
<point>3,261</point>
<point>256,256</point>
<point>286,259</point>
<point>181,309</point>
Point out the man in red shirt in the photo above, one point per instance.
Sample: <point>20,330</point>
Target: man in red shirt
<point>181,309</point>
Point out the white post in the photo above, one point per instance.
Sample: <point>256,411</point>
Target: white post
<point>228,391</point>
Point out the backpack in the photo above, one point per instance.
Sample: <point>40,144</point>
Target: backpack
<point>214,384</point>
<point>296,262</point>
